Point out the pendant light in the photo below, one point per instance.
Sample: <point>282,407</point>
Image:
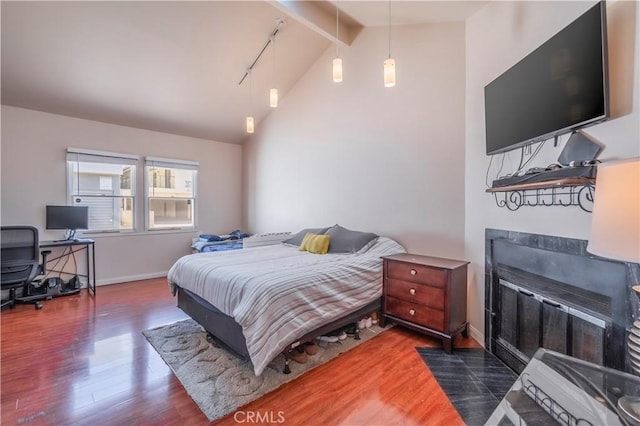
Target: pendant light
<point>250,123</point>
<point>389,63</point>
<point>273,93</point>
<point>250,127</point>
<point>337,61</point>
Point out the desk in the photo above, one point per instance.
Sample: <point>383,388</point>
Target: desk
<point>556,388</point>
<point>74,247</point>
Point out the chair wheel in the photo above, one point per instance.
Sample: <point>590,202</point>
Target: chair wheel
<point>38,306</point>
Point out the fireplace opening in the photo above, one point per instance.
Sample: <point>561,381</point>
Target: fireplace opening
<point>530,318</point>
<point>545,291</point>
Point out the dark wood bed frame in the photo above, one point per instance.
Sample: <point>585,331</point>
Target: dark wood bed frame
<point>225,330</point>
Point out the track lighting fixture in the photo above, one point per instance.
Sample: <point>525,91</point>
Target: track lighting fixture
<point>273,93</point>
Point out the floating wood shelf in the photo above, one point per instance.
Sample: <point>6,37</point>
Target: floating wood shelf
<point>575,191</point>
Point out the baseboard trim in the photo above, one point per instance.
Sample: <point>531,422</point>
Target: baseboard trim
<point>118,280</point>
<point>476,335</point>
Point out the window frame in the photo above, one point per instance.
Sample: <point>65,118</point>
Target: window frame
<point>152,162</point>
<point>79,155</point>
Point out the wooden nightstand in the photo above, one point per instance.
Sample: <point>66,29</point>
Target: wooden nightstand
<point>427,294</point>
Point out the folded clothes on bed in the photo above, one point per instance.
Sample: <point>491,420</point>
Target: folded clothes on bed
<point>223,246</point>
<point>233,235</point>
<point>239,234</point>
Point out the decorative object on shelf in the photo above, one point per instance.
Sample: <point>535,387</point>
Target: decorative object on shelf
<point>561,192</point>
<point>337,61</point>
<point>615,227</point>
<point>389,63</point>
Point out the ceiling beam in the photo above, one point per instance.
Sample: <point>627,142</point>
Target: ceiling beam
<point>320,16</point>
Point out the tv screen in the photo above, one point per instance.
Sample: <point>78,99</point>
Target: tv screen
<point>559,87</point>
<point>67,217</point>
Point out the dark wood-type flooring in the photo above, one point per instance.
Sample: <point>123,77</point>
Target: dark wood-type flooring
<point>84,361</point>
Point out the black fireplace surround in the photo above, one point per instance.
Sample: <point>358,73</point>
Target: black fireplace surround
<point>547,291</point>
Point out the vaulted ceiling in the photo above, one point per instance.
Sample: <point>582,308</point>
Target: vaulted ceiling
<point>175,66</point>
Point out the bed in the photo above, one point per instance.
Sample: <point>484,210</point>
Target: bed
<point>262,301</point>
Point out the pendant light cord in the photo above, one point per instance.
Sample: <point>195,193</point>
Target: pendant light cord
<point>250,91</point>
<point>273,68</point>
<point>337,28</point>
<point>389,29</point>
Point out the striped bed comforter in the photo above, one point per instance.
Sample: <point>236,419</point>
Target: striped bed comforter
<point>278,294</point>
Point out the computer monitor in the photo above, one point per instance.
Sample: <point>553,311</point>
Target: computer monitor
<point>69,218</point>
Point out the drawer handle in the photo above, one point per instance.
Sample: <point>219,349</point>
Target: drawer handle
<point>412,291</point>
<point>412,312</point>
<point>414,272</point>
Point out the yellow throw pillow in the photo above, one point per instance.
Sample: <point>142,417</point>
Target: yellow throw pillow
<point>314,243</point>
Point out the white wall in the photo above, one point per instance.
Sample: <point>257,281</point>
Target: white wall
<point>386,160</point>
<point>497,37</point>
<point>34,175</point>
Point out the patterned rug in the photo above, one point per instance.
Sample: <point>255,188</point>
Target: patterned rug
<point>218,381</point>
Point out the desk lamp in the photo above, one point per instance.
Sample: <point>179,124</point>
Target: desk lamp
<point>615,234</point>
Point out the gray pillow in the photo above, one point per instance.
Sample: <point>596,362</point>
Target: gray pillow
<point>296,239</point>
<point>344,240</point>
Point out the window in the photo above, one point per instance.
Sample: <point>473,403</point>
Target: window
<point>170,192</point>
<point>105,182</point>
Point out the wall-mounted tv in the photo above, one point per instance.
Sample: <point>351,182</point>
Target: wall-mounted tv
<point>559,87</point>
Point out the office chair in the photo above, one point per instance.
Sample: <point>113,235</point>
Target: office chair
<point>19,264</point>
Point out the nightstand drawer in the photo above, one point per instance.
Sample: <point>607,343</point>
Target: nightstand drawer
<point>416,273</point>
<point>417,293</point>
<point>416,313</point>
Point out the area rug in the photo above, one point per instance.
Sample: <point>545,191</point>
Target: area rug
<point>474,380</point>
<point>218,381</point>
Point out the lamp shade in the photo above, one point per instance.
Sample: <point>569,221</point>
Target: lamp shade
<point>250,126</point>
<point>337,70</point>
<point>615,225</point>
<point>389,72</point>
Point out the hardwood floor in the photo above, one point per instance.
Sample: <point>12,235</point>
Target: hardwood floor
<point>84,361</point>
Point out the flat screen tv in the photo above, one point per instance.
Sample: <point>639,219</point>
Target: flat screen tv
<point>69,218</point>
<point>558,88</point>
